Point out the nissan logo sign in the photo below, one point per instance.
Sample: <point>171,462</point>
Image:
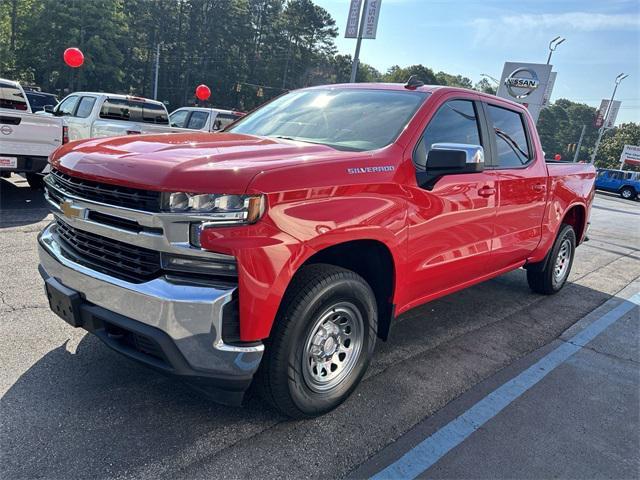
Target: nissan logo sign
<point>522,82</point>
<point>6,130</point>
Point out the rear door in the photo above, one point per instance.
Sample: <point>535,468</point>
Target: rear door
<point>450,223</point>
<point>522,186</point>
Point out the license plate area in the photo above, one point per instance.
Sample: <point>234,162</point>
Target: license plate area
<point>8,162</point>
<point>64,302</point>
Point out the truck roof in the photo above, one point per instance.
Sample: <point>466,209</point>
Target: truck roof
<point>424,88</point>
<point>118,96</point>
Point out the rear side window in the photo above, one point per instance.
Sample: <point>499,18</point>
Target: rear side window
<point>133,111</point>
<point>510,136</point>
<point>455,122</point>
<point>198,120</point>
<point>85,107</point>
<point>11,97</point>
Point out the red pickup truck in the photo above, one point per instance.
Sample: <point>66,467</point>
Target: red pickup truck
<point>277,252</point>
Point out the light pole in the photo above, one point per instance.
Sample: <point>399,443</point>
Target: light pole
<point>619,79</point>
<point>553,44</point>
<point>491,78</point>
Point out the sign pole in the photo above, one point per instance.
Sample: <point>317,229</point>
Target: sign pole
<point>356,56</point>
<point>619,79</point>
<point>575,157</point>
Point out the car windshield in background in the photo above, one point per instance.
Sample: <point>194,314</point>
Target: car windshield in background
<point>346,119</point>
<point>39,100</point>
<point>134,111</point>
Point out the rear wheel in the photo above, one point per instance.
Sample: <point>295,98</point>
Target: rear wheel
<point>321,343</point>
<point>551,277</point>
<point>628,193</point>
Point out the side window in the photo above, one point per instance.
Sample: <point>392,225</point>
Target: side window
<point>11,97</point>
<point>68,106</point>
<point>178,118</point>
<point>198,120</point>
<point>511,137</point>
<point>85,107</point>
<point>455,122</point>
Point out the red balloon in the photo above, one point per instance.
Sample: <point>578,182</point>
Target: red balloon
<point>558,156</point>
<point>203,92</point>
<point>73,57</point>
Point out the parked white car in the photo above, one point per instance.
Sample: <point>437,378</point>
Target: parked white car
<point>26,139</point>
<point>203,119</point>
<point>91,115</point>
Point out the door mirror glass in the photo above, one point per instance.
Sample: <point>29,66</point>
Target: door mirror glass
<point>450,159</point>
<point>48,108</point>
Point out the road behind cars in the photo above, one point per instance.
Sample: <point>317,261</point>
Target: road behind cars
<point>72,408</point>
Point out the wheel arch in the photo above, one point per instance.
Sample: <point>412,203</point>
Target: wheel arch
<point>373,261</point>
<point>576,216</point>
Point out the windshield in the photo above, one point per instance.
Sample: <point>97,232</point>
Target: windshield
<point>39,100</point>
<point>346,119</point>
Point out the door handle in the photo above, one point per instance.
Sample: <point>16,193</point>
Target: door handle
<point>486,191</point>
<point>539,187</point>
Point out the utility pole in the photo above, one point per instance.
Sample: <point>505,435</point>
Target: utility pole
<point>553,44</point>
<point>575,157</point>
<point>356,56</point>
<point>155,81</point>
<point>619,79</point>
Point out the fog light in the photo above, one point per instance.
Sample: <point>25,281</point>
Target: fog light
<point>213,264</point>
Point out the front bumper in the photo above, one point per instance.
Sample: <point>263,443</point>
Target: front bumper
<point>173,327</point>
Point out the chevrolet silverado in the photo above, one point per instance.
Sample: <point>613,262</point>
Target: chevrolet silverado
<point>277,252</point>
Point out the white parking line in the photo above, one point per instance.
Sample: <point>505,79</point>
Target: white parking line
<point>433,448</point>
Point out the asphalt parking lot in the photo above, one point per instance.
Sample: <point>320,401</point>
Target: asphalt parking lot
<point>72,408</point>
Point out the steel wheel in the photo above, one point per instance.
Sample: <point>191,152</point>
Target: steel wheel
<point>563,260</point>
<point>333,347</point>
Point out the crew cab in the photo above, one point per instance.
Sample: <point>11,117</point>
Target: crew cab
<point>94,115</point>
<point>26,139</point>
<point>203,119</point>
<point>278,251</point>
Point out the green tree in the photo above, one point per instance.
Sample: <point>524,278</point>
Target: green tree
<point>485,86</point>
<point>613,142</point>
<point>397,74</point>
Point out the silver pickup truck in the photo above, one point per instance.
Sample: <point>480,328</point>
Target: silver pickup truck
<point>26,139</point>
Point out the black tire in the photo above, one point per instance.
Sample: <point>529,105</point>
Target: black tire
<point>35,181</point>
<point>543,278</point>
<point>316,291</point>
<point>628,193</point>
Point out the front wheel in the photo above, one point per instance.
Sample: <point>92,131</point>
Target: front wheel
<point>552,277</point>
<point>321,343</point>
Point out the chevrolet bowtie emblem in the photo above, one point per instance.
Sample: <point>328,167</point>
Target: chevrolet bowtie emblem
<point>72,211</point>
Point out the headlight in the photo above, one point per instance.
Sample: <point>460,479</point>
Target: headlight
<point>218,207</point>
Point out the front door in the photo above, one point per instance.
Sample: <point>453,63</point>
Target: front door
<point>450,223</point>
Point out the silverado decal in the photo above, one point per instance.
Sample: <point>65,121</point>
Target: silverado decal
<point>384,168</point>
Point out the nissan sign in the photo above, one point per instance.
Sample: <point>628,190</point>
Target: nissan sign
<point>525,83</point>
<point>522,82</point>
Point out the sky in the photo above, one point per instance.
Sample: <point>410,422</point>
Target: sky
<point>471,37</point>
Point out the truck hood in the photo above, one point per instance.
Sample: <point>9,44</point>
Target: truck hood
<point>192,162</point>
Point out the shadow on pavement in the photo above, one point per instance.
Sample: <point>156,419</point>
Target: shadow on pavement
<point>20,204</point>
<point>97,414</point>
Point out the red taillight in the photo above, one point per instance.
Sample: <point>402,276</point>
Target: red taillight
<point>65,135</point>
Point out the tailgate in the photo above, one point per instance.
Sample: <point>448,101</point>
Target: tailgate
<point>28,134</point>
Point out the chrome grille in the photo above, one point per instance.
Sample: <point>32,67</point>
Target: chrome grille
<point>118,259</point>
<point>146,200</point>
